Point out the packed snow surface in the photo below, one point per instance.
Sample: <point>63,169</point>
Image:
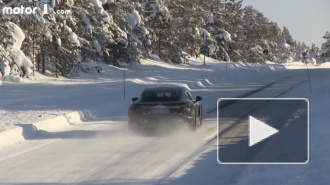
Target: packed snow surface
<point>34,100</point>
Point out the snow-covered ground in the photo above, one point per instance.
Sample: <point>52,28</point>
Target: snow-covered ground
<point>36,100</point>
<point>102,96</point>
<point>45,97</point>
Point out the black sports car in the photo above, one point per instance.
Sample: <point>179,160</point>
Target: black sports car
<point>165,106</point>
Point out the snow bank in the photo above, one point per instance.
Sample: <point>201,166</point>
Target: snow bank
<point>11,137</point>
<point>269,62</point>
<point>325,65</point>
<point>11,78</point>
<point>60,122</point>
<point>14,136</point>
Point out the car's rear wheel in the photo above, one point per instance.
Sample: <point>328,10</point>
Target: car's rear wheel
<point>200,118</point>
<point>192,125</point>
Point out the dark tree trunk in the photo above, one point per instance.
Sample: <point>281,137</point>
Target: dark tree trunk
<point>159,36</point>
<point>34,55</point>
<point>114,56</point>
<point>43,63</point>
<point>38,61</point>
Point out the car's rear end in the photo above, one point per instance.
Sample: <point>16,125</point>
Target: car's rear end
<point>159,114</point>
<point>159,108</point>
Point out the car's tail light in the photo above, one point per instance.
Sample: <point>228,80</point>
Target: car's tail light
<point>187,106</point>
<point>135,107</point>
<point>181,108</point>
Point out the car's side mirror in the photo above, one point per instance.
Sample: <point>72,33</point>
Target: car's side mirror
<point>198,98</point>
<point>135,99</point>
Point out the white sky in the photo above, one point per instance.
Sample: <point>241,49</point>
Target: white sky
<point>307,20</point>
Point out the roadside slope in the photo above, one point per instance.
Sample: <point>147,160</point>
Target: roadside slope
<point>33,101</point>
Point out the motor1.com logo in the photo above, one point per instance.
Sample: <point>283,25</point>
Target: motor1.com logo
<point>43,9</point>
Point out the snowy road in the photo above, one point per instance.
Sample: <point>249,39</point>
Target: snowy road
<point>105,152</point>
<point>100,153</point>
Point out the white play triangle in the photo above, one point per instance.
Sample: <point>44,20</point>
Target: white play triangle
<point>259,131</point>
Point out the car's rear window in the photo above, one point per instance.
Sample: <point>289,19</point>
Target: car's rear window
<point>161,95</point>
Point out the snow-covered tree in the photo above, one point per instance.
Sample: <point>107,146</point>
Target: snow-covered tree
<point>326,47</point>
<point>124,31</point>
<point>185,23</point>
<point>287,36</point>
<point>255,54</point>
<point>14,60</point>
<point>131,38</point>
<point>284,53</point>
<point>158,19</point>
<point>6,40</point>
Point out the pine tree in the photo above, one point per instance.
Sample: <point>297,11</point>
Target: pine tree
<point>326,47</point>
<point>185,26</point>
<point>233,24</point>
<point>158,19</point>
<point>287,36</point>
<point>5,42</point>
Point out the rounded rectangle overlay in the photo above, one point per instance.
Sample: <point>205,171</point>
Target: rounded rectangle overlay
<point>287,117</point>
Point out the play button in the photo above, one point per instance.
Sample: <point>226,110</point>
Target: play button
<point>259,131</point>
<point>263,131</point>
